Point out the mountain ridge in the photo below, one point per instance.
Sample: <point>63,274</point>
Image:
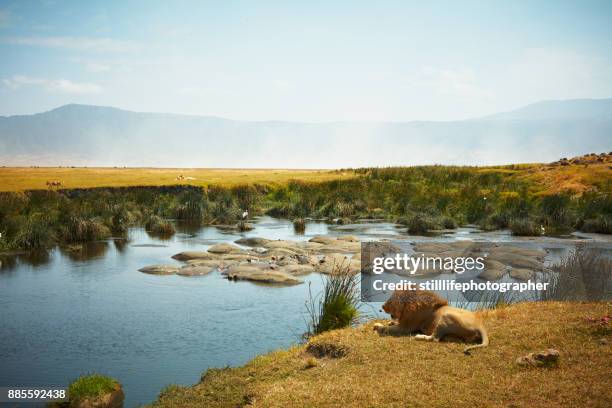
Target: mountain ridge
<point>89,135</point>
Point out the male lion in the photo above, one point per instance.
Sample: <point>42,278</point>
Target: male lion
<point>422,311</point>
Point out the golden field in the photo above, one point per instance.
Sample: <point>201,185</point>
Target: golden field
<point>35,178</point>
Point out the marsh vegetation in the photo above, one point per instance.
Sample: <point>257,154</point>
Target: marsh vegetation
<point>421,198</point>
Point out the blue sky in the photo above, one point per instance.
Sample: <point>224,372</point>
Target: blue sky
<point>304,61</point>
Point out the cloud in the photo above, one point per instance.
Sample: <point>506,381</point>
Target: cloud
<point>454,82</point>
<point>52,85</point>
<point>75,43</point>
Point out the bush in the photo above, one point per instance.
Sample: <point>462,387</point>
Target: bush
<point>601,224</point>
<point>156,225</point>
<point>35,233</point>
<point>90,386</point>
<point>337,307</point>
<point>449,223</point>
<point>80,230</point>
<point>525,227</point>
<point>299,225</point>
<point>583,274</point>
<point>419,224</point>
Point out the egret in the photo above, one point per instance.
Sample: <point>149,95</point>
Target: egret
<point>245,214</point>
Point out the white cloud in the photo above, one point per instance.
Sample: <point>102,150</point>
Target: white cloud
<point>454,82</point>
<point>76,43</point>
<point>52,85</point>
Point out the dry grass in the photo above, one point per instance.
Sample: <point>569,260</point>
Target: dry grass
<point>399,371</point>
<point>576,178</point>
<point>27,178</point>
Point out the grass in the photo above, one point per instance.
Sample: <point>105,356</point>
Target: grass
<point>91,386</point>
<point>32,178</point>
<point>374,371</point>
<point>336,306</point>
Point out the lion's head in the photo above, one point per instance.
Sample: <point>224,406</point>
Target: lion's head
<point>404,303</point>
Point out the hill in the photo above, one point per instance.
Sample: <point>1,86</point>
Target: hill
<point>83,135</point>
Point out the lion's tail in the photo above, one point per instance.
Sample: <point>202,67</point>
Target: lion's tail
<point>485,341</point>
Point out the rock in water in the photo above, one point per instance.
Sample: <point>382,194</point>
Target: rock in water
<point>160,269</point>
<point>191,270</point>
<point>252,242</point>
<point>189,255</point>
<point>224,249</point>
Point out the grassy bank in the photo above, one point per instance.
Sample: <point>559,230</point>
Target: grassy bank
<point>369,370</point>
<point>528,199</point>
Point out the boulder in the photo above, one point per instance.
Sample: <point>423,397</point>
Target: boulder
<point>297,270</point>
<point>349,238</point>
<point>212,263</point>
<point>522,274</point>
<point>494,270</point>
<point>256,273</point>
<point>160,269</point>
<point>322,239</point>
<point>190,270</point>
<point>336,262</point>
<point>252,241</point>
<point>225,249</point>
<point>189,255</point>
<point>341,247</point>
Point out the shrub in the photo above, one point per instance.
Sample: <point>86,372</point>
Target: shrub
<point>80,230</point>
<point>583,274</point>
<point>525,227</point>
<point>35,233</point>
<point>90,386</point>
<point>336,307</point>
<point>419,224</point>
<point>448,223</point>
<point>156,225</point>
<point>602,224</point>
<point>299,225</point>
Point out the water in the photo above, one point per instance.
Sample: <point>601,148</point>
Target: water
<point>65,314</point>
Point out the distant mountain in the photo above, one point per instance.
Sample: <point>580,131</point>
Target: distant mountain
<point>573,109</point>
<point>83,135</point>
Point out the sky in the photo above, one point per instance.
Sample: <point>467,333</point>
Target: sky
<point>307,61</point>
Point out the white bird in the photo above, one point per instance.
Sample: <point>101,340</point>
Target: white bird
<point>245,215</point>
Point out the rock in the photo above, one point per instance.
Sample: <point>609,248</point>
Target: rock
<point>286,260</point>
<point>312,246</point>
<point>189,255</point>
<point>335,262</point>
<point>349,238</point>
<point>160,269</point>
<point>224,249</point>
<point>297,270</point>
<point>239,257</point>
<point>244,226</point>
<point>258,274</point>
<point>190,270</point>
<point>341,247</point>
<point>516,258</point>
<point>494,270</point>
<point>113,399</point>
<point>212,263</point>
<point>522,274</point>
<point>278,252</point>
<point>322,239</point>
<point>546,358</point>
<point>252,241</point>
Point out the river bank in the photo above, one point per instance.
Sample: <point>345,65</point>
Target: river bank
<point>377,371</point>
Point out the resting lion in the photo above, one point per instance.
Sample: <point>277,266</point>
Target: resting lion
<point>420,311</point>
